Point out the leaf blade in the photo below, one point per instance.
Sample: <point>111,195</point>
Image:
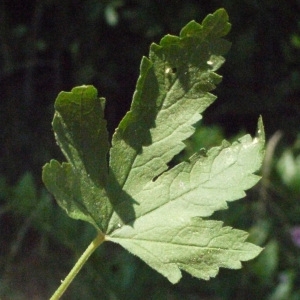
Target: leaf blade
<point>180,83</point>
<point>80,131</point>
<point>138,201</point>
<point>204,184</point>
<point>199,247</point>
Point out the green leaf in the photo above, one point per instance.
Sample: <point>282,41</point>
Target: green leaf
<point>138,201</point>
<point>196,246</point>
<point>80,131</point>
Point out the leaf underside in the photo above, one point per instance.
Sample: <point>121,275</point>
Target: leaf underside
<point>127,191</point>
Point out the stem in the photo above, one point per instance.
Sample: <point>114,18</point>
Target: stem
<point>79,264</point>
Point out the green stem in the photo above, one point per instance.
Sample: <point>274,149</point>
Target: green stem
<point>79,264</point>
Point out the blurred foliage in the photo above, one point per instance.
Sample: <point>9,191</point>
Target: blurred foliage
<point>47,46</point>
<point>288,167</point>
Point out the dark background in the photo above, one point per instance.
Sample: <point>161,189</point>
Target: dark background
<point>48,46</point>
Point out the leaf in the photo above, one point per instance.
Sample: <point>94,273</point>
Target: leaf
<point>137,200</point>
<point>196,246</point>
<point>80,132</point>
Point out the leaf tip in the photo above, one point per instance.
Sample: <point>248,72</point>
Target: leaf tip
<point>63,97</point>
<point>219,20</point>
